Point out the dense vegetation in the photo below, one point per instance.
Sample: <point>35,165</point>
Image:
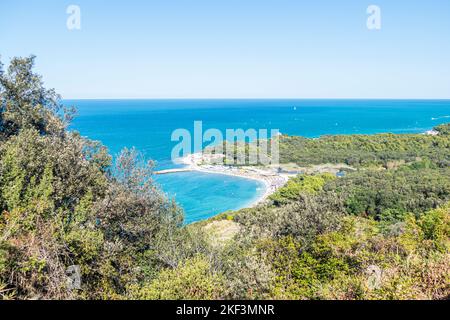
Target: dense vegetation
<point>385,150</point>
<point>379,232</point>
<point>63,203</point>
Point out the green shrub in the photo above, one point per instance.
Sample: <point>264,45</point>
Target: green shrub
<point>191,280</point>
<point>302,184</point>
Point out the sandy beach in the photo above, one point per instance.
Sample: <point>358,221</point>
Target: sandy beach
<point>271,179</point>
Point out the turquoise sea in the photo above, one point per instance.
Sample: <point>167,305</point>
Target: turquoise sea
<point>148,125</point>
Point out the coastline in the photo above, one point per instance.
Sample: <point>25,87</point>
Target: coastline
<point>270,180</point>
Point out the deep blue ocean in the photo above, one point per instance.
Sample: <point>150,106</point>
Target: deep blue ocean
<point>148,125</point>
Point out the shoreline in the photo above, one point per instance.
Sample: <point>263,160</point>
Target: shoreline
<point>270,180</point>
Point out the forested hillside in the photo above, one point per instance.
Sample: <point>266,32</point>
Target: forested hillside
<point>367,150</point>
<point>379,232</point>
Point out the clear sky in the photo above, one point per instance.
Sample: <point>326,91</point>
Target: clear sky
<point>234,48</point>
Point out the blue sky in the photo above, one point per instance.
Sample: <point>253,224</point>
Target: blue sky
<point>234,48</point>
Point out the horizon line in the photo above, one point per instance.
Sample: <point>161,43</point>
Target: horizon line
<point>275,98</point>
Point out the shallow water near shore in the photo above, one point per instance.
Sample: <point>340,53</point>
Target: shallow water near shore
<point>212,193</point>
<point>148,125</point>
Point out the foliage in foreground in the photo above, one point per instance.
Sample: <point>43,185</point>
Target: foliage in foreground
<point>381,232</point>
<point>64,203</point>
<point>363,260</point>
